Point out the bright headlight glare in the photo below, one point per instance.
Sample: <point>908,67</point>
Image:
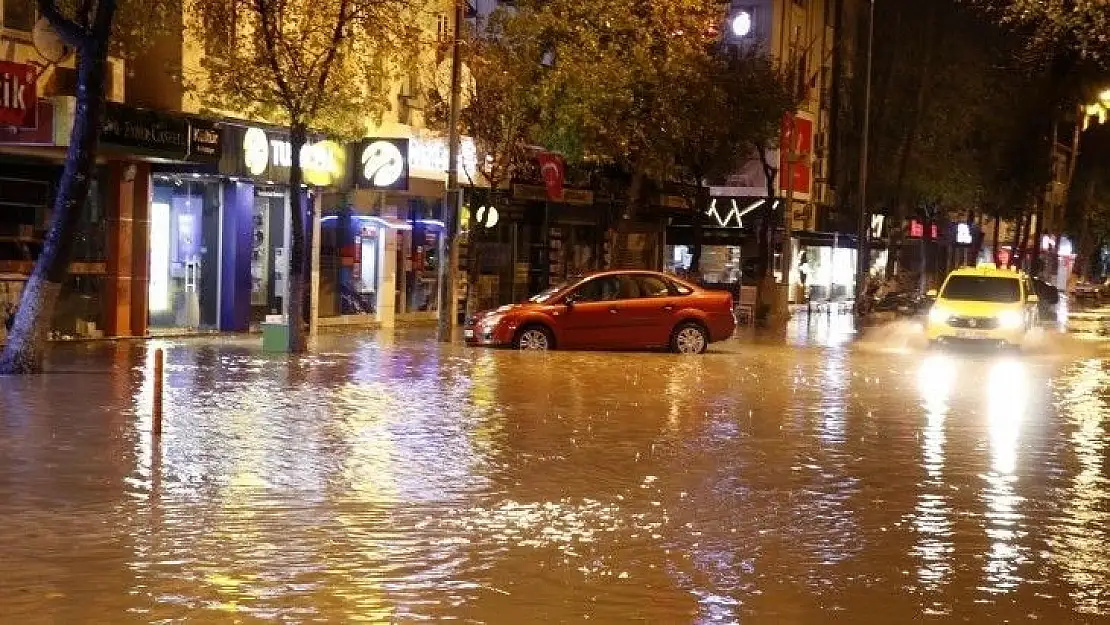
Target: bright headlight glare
<point>938,314</point>
<point>1010,319</point>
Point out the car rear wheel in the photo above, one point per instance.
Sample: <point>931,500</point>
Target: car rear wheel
<point>534,339</point>
<point>689,338</point>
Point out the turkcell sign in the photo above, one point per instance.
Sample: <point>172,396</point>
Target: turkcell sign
<point>18,98</point>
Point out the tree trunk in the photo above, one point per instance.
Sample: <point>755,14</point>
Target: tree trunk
<point>298,256</point>
<point>1014,247</point>
<point>701,206</point>
<point>1034,264</point>
<point>474,267</point>
<point>994,241</point>
<point>897,229</point>
<point>767,289</point>
<point>26,342</point>
<point>977,236</point>
<point>624,220</point>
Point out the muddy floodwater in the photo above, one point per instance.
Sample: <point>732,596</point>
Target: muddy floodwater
<point>390,479</point>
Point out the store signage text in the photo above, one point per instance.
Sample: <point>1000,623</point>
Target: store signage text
<point>431,157</point>
<point>322,161</point>
<point>160,134</point>
<point>148,130</point>
<point>18,95</point>
<point>536,193</point>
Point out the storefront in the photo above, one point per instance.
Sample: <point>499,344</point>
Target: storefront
<point>106,290</point>
<point>823,267</point>
<point>382,244</point>
<point>220,230</point>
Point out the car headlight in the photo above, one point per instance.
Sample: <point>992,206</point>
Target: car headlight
<point>491,321</point>
<point>1010,319</point>
<point>939,314</point>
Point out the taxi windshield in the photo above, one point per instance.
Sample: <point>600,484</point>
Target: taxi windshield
<point>982,289</point>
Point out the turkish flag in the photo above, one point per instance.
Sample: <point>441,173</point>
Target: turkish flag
<point>554,172</point>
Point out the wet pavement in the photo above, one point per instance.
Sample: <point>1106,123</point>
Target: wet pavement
<point>391,479</point>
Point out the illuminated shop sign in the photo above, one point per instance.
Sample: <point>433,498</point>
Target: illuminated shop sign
<point>383,164</point>
<point>430,157</point>
<point>18,95</point>
<point>270,155</point>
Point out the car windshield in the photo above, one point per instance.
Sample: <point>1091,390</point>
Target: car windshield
<point>982,289</point>
<point>548,294</point>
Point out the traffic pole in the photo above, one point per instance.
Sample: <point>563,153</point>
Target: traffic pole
<point>159,366</point>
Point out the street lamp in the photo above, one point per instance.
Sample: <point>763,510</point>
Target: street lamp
<point>742,24</point>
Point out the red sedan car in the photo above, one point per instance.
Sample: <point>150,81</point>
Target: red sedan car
<point>611,310</point>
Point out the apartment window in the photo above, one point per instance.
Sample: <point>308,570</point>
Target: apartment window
<point>19,14</point>
<point>444,30</point>
<point>220,29</point>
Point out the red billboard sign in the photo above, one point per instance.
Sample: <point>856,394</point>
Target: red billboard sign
<point>18,97</point>
<point>796,172</point>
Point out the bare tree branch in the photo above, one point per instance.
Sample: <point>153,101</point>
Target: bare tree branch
<point>67,29</point>
<point>336,38</point>
<point>270,38</point>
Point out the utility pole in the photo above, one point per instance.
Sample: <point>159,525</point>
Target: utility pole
<point>863,228</point>
<point>448,249</point>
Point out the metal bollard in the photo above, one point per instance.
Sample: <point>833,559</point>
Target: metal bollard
<point>159,365</point>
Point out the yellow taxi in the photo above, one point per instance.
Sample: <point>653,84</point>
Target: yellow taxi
<point>983,304</point>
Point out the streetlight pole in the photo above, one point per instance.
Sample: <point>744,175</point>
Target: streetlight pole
<point>448,253</point>
<point>863,228</point>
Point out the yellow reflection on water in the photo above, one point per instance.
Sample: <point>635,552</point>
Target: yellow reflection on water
<point>1080,540</point>
<point>1007,400</point>
<point>936,380</point>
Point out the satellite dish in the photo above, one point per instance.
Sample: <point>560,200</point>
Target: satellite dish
<point>47,42</point>
<point>466,83</point>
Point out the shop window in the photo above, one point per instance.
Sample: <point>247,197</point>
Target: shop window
<point>184,256</point>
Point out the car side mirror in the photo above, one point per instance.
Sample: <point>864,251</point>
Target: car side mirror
<point>1033,299</point>
<point>569,302</point>
<point>932,294</point>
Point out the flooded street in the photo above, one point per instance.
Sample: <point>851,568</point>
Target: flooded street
<point>391,479</point>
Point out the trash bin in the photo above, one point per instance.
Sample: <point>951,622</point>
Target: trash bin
<point>275,334</point>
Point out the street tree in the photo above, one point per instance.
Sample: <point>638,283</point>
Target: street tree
<point>955,142</point>
<point>727,108</point>
<point>314,66</point>
<point>93,29</point>
<point>498,117</point>
<point>1082,25</point>
<point>608,67</point>
<point>1088,214</point>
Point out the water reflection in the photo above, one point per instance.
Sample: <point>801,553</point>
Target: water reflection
<point>413,481</point>
<point>1080,541</point>
<point>932,513</point>
<point>1007,400</point>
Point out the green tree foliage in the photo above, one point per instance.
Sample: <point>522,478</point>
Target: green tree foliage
<point>311,65</point>
<point>1088,213</point>
<point>726,108</point>
<point>1083,25</point>
<point>960,122</point>
<point>608,68</point>
<point>93,29</point>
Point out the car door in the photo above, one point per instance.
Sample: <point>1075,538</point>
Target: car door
<point>652,311</point>
<point>594,319</point>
